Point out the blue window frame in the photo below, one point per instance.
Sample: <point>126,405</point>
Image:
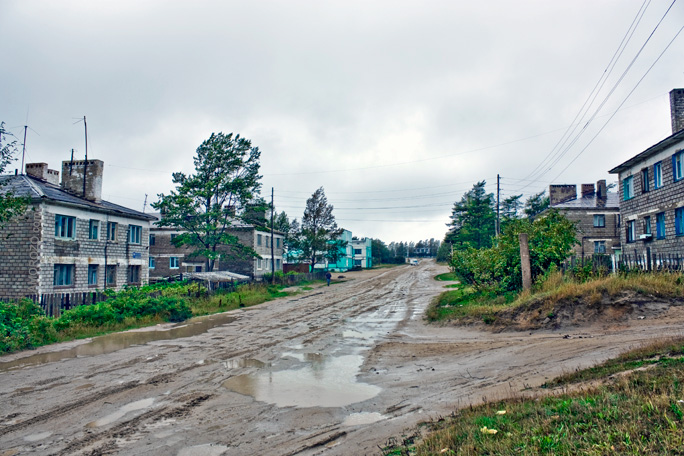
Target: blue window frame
<point>134,234</point>
<point>679,221</point>
<point>677,170</point>
<point>631,231</point>
<point>658,175</point>
<point>152,263</point>
<point>647,224</point>
<point>64,275</point>
<point>660,225</point>
<point>65,227</point>
<point>628,188</point>
<point>173,263</point>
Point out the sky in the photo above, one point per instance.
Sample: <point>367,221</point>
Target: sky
<point>395,108</point>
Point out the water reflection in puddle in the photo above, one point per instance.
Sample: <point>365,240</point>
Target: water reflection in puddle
<point>330,383</point>
<point>119,341</point>
<point>356,419</point>
<point>132,407</point>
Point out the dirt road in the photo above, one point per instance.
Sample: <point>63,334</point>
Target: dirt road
<point>336,370</point>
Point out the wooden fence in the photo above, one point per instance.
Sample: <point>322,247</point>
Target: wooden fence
<point>644,261</point>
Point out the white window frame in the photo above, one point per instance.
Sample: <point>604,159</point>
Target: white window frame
<point>658,175</point>
<point>599,247</point>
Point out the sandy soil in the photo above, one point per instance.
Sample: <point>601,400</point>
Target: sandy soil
<point>336,370</point>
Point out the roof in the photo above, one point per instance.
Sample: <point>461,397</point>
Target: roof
<point>215,276</point>
<point>39,190</point>
<point>236,224</point>
<point>591,202</point>
<point>662,145</point>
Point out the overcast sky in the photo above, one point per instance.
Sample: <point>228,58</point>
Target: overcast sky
<point>396,108</point>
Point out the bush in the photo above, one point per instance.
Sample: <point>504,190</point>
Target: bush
<point>23,325</point>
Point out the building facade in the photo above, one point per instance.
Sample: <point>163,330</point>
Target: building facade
<point>363,253</point>
<point>344,262</point>
<point>596,213</point>
<point>651,192</point>
<point>69,239</point>
<point>167,260</point>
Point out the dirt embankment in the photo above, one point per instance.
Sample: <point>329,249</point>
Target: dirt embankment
<point>575,312</point>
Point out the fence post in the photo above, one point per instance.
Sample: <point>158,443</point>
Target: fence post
<point>525,261</point>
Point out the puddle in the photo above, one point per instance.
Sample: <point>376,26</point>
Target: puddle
<point>209,449</point>
<point>118,341</point>
<point>356,419</point>
<point>241,363</point>
<point>37,437</point>
<point>132,407</point>
<point>330,383</point>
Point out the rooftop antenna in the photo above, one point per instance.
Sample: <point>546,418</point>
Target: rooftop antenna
<point>23,150</point>
<point>145,203</point>
<point>85,164</point>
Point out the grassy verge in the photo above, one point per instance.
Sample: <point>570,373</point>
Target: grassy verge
<point>464,304</point>
<point>447,277</point>
<point>23,325</point>
<point>641,412</point>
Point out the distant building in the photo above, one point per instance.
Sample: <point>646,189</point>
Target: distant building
<point>363,253</point>
<point>344,262</point>
<point>69,239</point>
<point>167,260</point>
<point>652,192</point>
<point>596,213</point>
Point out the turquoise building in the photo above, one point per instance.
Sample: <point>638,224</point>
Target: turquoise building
<point>362,253</point>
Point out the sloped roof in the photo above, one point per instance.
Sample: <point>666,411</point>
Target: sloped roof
<point>654,149</point>
<point>591,202</point>
<point>39,190</point>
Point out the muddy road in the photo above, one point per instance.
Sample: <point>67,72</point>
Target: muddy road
<point>335,370</point>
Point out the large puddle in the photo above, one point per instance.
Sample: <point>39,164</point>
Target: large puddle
<point>119,341</point>
<point>307,378</point>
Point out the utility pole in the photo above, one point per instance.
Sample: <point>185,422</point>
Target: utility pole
<point>145,203</point>
<point>272,249</point>
<point>498,219</point>
<point>85,165</point>
<point>23,150</point>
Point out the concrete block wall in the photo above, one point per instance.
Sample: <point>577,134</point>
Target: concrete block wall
<point>665,199</point>
<point>20,248</point>
<point>587,233</point>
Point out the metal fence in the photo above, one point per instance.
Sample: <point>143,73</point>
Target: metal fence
<point>644,261</point>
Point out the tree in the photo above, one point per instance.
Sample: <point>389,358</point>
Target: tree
<point>536,203</point>
<point>319,232</point>
<point>472,219</point>
<point>291,231</point>
<point>10,205</point>
<point>380,252</point>
<point>205,205</point>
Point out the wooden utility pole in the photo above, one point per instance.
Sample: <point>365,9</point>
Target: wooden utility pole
<point>272,248</point>
<point>85,164</point>
<point>498,219</point>
<point>525,261</point>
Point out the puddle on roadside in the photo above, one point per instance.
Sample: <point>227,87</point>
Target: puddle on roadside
<point>118,341</point>
<point>241,363</point>
<point>328,383</point>
<point>356,419</point>
<point>131,407</point>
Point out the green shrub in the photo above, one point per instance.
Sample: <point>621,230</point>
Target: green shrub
<point>17,328</point>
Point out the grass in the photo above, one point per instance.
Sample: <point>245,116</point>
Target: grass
<point>24,325</point>
<point>447,277</point>
<point>464,304</point>
<point>641,412</point>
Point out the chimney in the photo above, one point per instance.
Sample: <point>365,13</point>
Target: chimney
<point>677,110</point>
<point>601,189</point>
<point>83,178</point>
<point>561,193</point>
<point>41,171</point>
<point>587,190</point>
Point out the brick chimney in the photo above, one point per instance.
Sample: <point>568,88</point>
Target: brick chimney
<point>41,171</point>
<point>677,110</point>
<point>561,193</point>
<point>74,173</point>
<point>587,190</point>
<point>601,189</point>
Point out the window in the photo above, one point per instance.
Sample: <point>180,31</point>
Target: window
<point>679,221</point>
<point>357,262</point>
<point>198,268</point>
<point>631,231</point>
<point>628,188</point>
<point>111,231</point>
<point>647,224</point>
<point>94,229</point>
<point>677,166</point>
<point>599,220</point>
<point>267,241</point>
<point>258,239</point>
<point>65,227</point>
<point>278,267</point>
<point>660,225</point>
<point>152,263</point>
<point>357,251</point>
<point>277,242</point>
<point>645,184</point>
<point>658,175</point>
<point>134,274</point>
<point>599,246</point>
<point>173,263</point>
<point>173,236</point>
<point>110,275</point>
<point>259,263</point>
<point>134,234</point>
<point>64,275</point>
<point>92,274</point>
<point>152,239</point>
